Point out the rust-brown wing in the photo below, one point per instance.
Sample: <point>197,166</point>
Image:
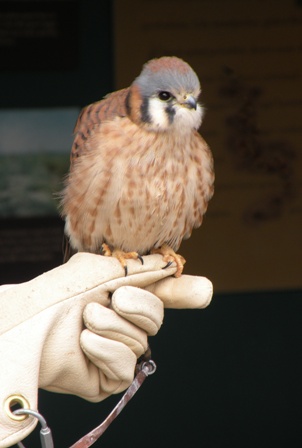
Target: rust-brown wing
<point>114,104</point>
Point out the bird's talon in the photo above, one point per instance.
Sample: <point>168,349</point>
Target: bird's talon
<point>170,256</point>
<point>168,265</point>
<point>121,256</point>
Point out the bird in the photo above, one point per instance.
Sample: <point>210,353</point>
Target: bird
<point>141,175</point>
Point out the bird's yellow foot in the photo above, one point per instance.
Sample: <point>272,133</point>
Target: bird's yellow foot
<point>169,256</point>
<point>121,256</point>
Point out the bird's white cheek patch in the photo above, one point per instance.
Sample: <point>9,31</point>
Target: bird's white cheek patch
<point>188,119</point>
<point>158,114</point>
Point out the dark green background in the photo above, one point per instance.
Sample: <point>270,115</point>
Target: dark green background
<point>227,376</point>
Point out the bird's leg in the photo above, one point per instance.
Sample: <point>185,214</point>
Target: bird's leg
<point>107,252</point>
<point>121,256</point>
<point>170,256</point>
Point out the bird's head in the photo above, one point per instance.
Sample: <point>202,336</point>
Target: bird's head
<point>165,96</point>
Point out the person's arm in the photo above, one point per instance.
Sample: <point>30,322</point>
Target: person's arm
<point>80,328</point>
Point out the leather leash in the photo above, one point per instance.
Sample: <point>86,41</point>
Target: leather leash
<point>144,369</point>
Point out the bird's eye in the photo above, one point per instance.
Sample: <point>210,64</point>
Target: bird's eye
<point>164,96</point>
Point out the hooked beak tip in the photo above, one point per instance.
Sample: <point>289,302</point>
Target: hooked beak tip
<point>191,103</point>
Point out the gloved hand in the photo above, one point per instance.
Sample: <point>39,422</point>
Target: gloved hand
<point>80,328</point>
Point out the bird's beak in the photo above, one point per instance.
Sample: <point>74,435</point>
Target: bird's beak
<point>190,102</point>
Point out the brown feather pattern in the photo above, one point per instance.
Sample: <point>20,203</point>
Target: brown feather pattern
<point>133,186</point>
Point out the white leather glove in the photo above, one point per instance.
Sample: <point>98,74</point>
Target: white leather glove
<point>80,328</point>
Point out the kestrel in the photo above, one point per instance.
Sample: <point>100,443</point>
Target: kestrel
<point>141,175</point>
